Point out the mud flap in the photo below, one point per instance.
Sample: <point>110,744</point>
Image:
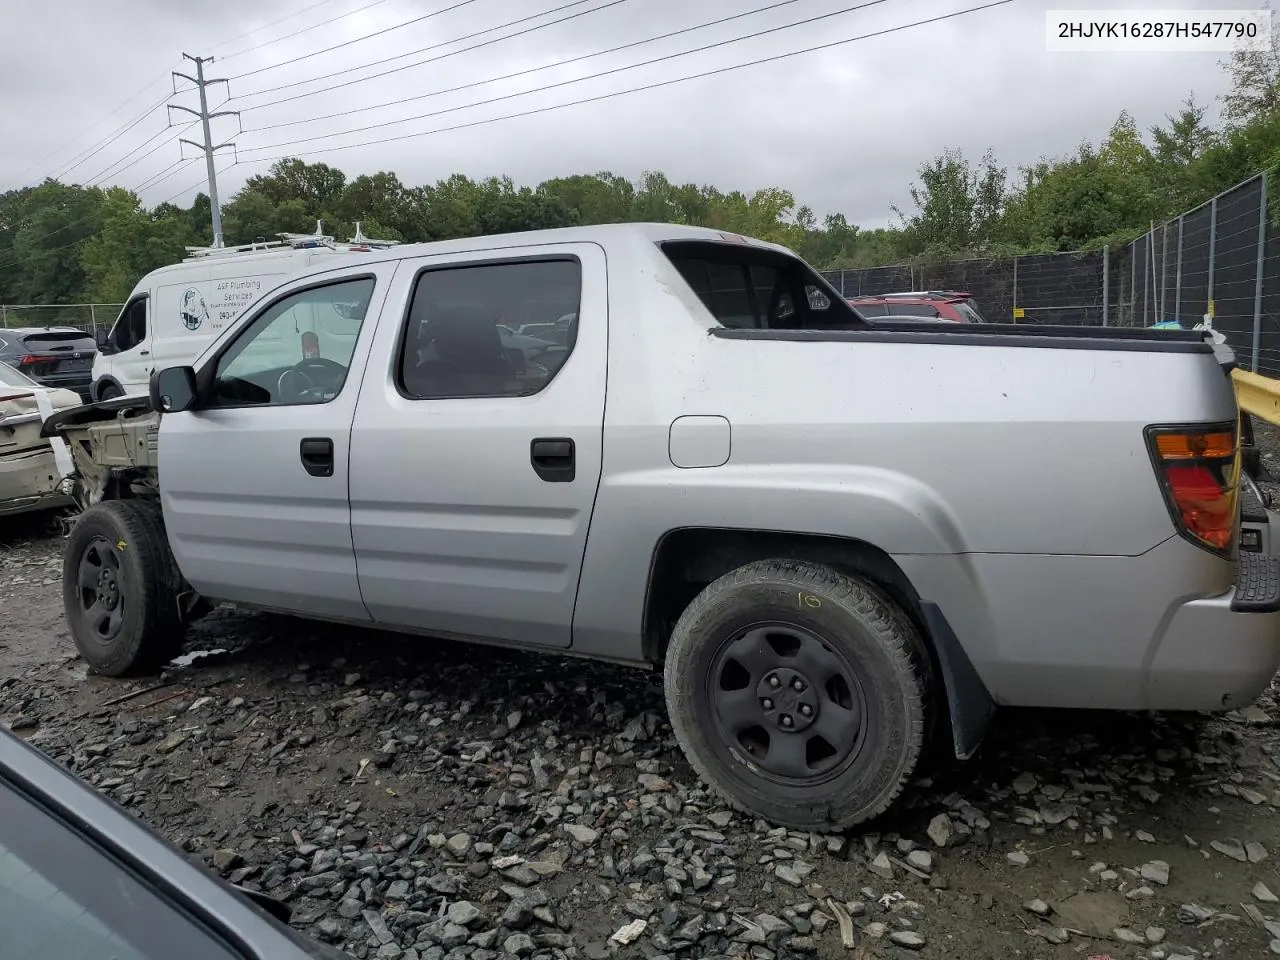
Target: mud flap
<point>968,701</point>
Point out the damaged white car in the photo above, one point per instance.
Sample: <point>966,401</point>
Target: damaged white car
<point>31,477</point>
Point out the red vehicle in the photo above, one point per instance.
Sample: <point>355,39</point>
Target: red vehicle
<point>946,305</point>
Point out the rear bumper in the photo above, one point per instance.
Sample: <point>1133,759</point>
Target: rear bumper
<point>80,382</point>
<point>1221,653</point>
<point>30,481</point>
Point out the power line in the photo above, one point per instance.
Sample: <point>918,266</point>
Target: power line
<point>114,169</point>
<point>268,26</point>
<point>434,46</point>
<point>43,160</point>
<point>646,87</point>
<point>347,43</point>
<point>185,190</point>
<point>520,73</point>
<point>64,170</point>
<point>298,33</point>
<point>565,83</point>
<point>156,179</point>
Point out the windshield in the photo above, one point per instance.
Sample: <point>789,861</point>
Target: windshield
<point>10,377</point>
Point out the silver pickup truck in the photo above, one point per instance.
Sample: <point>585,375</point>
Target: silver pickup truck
<point>837,540</point>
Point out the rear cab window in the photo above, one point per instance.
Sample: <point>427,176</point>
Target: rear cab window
<point>749,287</point>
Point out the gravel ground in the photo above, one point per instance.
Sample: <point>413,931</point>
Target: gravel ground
<point>417,799</point>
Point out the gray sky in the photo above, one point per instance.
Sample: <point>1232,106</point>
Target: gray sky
<point>844,129</point>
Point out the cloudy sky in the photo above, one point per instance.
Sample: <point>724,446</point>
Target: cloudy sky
<point>843,128</point>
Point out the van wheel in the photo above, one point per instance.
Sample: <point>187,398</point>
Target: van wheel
<point>118,589</point>
<point>797,692</point>
<point>109,391</point>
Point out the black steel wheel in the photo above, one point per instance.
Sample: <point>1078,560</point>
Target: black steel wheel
<point>799,693</point>
<point>101,606</point>
<point>788,701</point>
<point>119,588</point>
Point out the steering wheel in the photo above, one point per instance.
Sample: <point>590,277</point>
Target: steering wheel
<point>289,386</point>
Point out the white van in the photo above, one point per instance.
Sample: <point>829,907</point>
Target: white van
<point>175,311</point>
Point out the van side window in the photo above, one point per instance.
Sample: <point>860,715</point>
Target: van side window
<point>461,341</point>
<point>131,328</point>
<point>297,350</point>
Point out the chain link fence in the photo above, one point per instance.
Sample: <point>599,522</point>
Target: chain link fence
<point>1060,288</point>
<point>1220,260</point>
<point>89,317</point>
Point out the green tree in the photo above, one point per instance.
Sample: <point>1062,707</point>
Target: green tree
<point>131,243</point>
<point>957,204</point>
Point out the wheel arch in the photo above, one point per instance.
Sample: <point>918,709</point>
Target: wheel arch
<point>101,383</point>
<point>686,559</point>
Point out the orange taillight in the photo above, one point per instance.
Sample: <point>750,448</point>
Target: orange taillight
<point>1199,469</point>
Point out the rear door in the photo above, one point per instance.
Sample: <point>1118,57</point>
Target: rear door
<point>255,489</point>
<point>475,464</point>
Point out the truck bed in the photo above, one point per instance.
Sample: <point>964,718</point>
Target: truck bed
<point>1062,337</point>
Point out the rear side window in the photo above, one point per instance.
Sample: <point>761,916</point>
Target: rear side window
<point>912,310</point>
<point>747,287</point>
<point>871,309</point>
<point>458,340</point>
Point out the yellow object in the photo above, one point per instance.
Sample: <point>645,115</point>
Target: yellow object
<point>1257,395</point>
<point>1210,310</point>
<point>1018,313</point>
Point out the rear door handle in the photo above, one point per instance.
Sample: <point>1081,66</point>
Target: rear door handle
<point>553,459</point>
<point>317,456</point>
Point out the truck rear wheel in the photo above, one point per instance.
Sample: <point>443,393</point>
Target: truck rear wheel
<point>118,589</point>
<point>797,692</point>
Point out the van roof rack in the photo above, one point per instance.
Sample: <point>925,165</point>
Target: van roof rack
<point>294,241</point>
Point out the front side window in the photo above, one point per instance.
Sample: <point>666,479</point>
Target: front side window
<point>458,340</point>
<point>298,350</point>
<point>62,899</point>
<point>131,328</point>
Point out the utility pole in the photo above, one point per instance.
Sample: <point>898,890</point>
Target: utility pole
<point>209,147</point>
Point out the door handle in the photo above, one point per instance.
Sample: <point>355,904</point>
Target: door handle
<point>553,459</point>
<point>144,353</point>
<point>317,456</point>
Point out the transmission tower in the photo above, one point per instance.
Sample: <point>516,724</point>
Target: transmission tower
<point>208,147</point>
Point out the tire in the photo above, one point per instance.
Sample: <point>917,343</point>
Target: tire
<point>118,589</point>
<point>109,391</point>
<point>783,620</point>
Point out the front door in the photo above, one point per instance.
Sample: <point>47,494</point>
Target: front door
<point>476,451</point>
<point>130,342</point>
<point>254,482</point>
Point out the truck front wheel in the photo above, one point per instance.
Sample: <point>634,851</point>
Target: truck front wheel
<point>795,690</point>
<point>118,589</point>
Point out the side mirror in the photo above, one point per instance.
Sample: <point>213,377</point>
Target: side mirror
<point>173,390</point>
<point>100,336</point>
